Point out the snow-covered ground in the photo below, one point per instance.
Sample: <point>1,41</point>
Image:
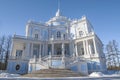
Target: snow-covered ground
<point>100,74</point>
<point>92,76</point>
<point>9,75</point>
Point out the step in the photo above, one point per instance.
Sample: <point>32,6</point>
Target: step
<point>53,73</point>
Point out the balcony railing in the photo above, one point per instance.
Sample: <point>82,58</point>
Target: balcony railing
<point>25,37</point>
<point>32,38</point>
<point>18,58</point>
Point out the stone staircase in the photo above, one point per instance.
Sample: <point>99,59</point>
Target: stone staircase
<point>53,73</point>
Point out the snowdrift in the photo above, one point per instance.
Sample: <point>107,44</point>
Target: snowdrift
<point>96,74</point>
<point>9,75</point>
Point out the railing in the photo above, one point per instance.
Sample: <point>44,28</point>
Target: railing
<point>89,34</point>
<point>18,58</point>
<point>39,61</point>
<point>26,37</point>
<point>59,38</point>
<point>32,38</point>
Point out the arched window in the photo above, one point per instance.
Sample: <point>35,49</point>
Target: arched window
<point>80,33</point>
<point>58,34</point>
<point>36,36</point>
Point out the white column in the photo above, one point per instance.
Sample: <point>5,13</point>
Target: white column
<point>43,52</point>
<point>70,48</point>
<point>87,47</point>
<point>84,46</point>
<point>52,49</point>
<point>31,50</point>
<point>46,49</point>
<point>73,49</point>
<point>94,43</point>
<point>76,51</point>
<point>39,51</point>
<point>63,49</point>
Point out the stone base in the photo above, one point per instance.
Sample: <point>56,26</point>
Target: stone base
<point>17,66</point>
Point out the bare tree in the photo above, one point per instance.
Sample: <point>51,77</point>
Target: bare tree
<point>5,44</point>
<point>113,55</point>
<point>115,44</point>
<point>7,47</point>
<point>2,42</point>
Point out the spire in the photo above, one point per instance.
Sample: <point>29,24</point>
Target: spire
<point>58,11</point>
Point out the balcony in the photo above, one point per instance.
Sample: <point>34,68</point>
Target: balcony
<point>26,37</point>
<point>38,39</point>
<point>62,38</point>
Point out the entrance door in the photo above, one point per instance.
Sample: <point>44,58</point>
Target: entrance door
<point>59,51</point>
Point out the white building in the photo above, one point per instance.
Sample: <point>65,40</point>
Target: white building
<point>58,43</point>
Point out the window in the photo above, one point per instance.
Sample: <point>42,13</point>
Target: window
<point>82,50</point>
<point>36,50</point>
<point>58,34</point>
<point>64,36</point>
<point>80,33</point>
<point>17,67</point>
<point>19,53</point>
<point>36,36</point>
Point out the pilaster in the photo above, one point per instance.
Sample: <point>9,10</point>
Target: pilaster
<point>27,52</point>
<point>12,51</point>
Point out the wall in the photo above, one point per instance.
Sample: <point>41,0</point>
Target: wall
<point>11,68</point>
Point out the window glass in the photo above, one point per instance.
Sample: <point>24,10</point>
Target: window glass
<point>58,34</point>
<point>17,67</point>
<point>18,53</point>
<point>36,36</point>
<point>80,33</point>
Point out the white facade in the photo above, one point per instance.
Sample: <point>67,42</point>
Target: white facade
<point>58,43</point>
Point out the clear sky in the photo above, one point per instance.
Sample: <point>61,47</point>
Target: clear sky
<point>104,15</point>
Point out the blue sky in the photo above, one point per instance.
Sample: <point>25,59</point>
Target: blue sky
<point>103,14</point>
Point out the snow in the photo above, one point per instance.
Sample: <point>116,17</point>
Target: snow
<point>9,75</point>
<point>100,74</point>
<point>96,74</point>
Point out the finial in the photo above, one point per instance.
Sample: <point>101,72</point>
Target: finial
<point>58,12</point>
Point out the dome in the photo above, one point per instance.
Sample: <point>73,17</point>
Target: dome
<point>58,19</point>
